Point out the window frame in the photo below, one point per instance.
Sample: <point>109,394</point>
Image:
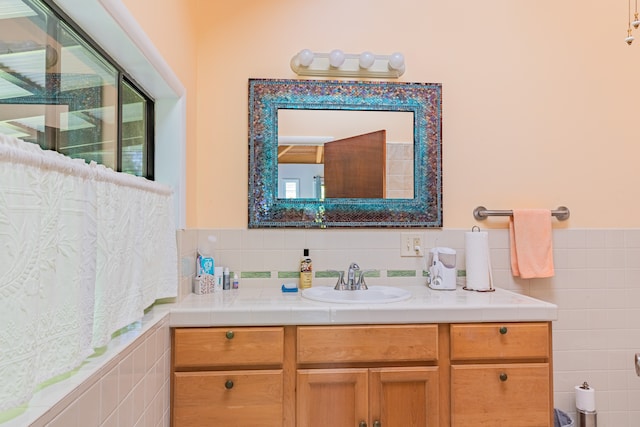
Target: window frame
<point>148,170</point>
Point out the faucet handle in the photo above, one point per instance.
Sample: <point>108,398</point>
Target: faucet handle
<point>340,285</point>
<point>361,284</point>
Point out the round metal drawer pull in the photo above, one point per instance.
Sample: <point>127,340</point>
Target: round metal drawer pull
<point>362,424</point>
<point>377,423</point>
<point>228,385</point>
<point>230,335</point>
<point>503,330</point>
<point>503,377</point>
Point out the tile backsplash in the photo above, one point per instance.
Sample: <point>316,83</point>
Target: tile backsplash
<point>596,287</point>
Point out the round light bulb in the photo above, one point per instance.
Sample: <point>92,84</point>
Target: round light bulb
<point>336,58</point>
<point>305,57</point>
<point>396,61</point>
<point>367,59</point>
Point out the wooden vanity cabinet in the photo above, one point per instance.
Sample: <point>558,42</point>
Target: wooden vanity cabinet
<point>501,374</point>
<point>367,376</point>
<point>228,377</point>
<point>410,375</point>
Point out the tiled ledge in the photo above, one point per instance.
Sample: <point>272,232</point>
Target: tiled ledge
<point>58,394</point>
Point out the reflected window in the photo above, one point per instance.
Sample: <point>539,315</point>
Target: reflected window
<point>291,188</point>
<point>60,91</point>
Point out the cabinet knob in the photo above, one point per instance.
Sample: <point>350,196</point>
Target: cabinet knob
<point>362,424</point>
<point>228,385</point>
<point>503,330</point>
<point>230,335</point>
<point>377,423</point>
<point>503,377</point>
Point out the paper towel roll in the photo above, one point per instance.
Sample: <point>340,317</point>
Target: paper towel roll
<point>585,398</point>
<point>477,260</point>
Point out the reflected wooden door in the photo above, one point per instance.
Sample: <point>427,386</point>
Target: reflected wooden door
<point>356,167</point>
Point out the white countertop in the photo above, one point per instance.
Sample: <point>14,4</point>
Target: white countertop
<point>270,306</point>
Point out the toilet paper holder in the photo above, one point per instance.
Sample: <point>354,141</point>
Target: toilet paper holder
<point>585,406</point>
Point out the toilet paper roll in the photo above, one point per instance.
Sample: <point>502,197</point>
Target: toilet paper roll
<point>477,260</point>
<point>585,399</point>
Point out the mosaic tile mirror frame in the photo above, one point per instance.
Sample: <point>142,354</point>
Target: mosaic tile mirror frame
<point>270,99</point>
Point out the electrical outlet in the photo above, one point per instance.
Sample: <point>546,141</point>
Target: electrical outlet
<point>411,244</point>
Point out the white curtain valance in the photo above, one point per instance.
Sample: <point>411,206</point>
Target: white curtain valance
<point>16,151</point>
<point>84,251</point>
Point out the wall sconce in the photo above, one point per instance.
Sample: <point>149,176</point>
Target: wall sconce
<point>339,64</point>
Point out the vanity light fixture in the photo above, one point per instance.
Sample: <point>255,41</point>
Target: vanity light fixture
<point>339,64</point>
<point>636,23</point>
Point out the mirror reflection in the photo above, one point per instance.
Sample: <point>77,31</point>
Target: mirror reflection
<point>345,154</point>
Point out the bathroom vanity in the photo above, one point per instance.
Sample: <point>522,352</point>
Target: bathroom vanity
<point>458,358</point>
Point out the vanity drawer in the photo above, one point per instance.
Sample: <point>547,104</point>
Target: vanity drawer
<point>220,347</point>
<point>509,394</point>
<point>228,398</point>
<point>484,341</point>
<point>367,343</point>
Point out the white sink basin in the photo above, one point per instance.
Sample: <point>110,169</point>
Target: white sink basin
<point>373,295</point>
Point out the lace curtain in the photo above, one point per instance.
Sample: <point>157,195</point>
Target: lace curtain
<point>83,251</point>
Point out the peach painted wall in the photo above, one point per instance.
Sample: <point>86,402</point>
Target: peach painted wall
<point>540,99</point>
<point>170,25</point>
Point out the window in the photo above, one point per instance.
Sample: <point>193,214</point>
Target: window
<point>59,90</point>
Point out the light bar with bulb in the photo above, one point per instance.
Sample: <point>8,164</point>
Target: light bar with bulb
<point>339,64</point>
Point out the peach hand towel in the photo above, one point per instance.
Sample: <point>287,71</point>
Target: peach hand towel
<point>531,243</point>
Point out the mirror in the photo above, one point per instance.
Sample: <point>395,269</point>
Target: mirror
<point>344,154</point>
<point>308,138</point>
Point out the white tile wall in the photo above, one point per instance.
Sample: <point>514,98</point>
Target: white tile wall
<point>399,171</point>
<point>128,385</point>
<point>596,286</point>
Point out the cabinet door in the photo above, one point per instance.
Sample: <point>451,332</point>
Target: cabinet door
<point>514,395</point>
<point>229,398</point>
<point>406,397</point>
<point>331,397</point>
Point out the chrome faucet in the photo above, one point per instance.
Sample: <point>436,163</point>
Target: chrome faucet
<point>355,279</point>
<point>354,270</point>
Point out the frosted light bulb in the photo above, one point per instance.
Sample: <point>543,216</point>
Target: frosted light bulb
<point>367,59</point>
<point>336,58</point>
<point>629,39</point>
<point>396,61</point>
<point>305,57</point>
<point>636,23</point>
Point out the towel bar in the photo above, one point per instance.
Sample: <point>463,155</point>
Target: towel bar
<point>480,213</point>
